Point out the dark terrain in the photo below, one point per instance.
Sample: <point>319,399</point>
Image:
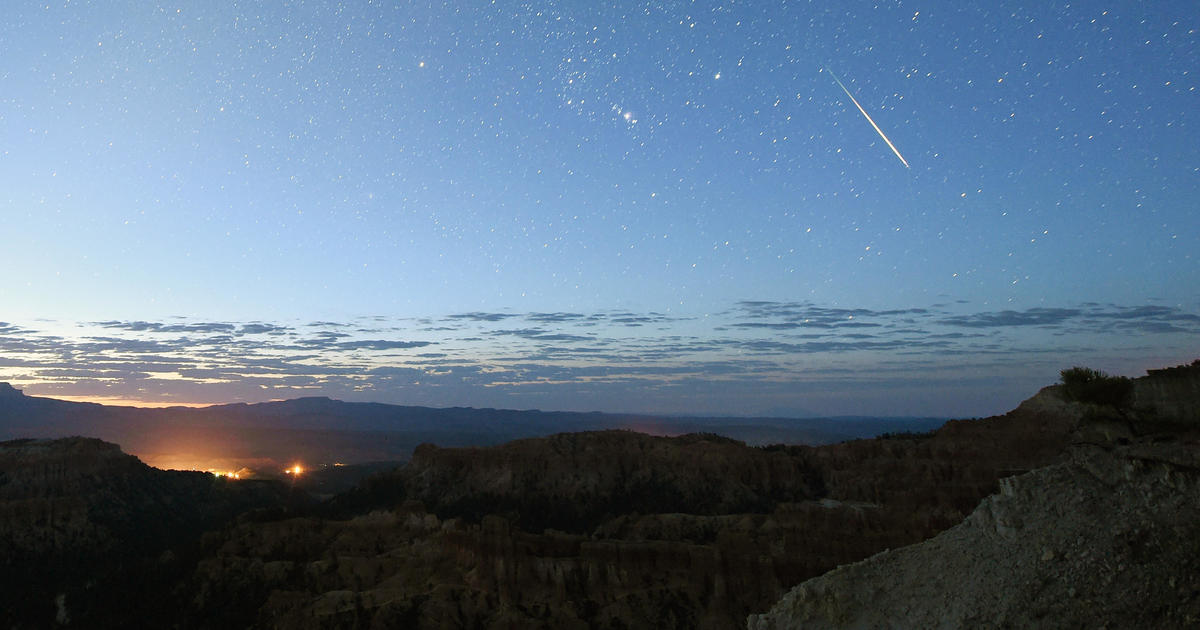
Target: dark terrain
<point>601,529</point>
<point>270,436</point>
<point>88,534</point>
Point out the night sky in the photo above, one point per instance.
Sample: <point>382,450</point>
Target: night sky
<point>651,207</point>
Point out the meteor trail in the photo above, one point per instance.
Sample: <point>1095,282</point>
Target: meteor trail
<point>868,116</point>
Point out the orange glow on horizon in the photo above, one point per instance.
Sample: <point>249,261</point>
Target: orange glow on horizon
<point>295,470</point>
<point>123,402</point>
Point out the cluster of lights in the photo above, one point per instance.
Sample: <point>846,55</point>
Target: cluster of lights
<point>225,473</point>
<point>295,470</point>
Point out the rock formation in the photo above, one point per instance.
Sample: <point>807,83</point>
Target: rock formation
<point>1109,539</point>
<point>611,529</point>
<point>615,529</point>
<point>1170,395</point>
<point>82,524</point>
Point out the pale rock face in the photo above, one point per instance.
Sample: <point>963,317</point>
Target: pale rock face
<point>1111,537</point>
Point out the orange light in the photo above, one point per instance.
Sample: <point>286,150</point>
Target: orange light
<point>294,470</point>
<point>228,474</point>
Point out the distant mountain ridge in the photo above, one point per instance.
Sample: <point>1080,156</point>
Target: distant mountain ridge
<point>319,429</point>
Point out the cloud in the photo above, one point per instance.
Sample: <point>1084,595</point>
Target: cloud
<point>159,327</point>
<point>857,325</point>
<point>108,345</point>
<point>538,334</point>
<point>1144,313</point>
<point>560,337</point>
<point>640,319</point>
<point>381,344</point>
<point>1004,319</point>
<point>814,347</point>
<point>1090,317</point>
<point>259,328</point>
<point>518,332</point>
<point>86,373</point>
<point>482,317</point>
<point>806,315</point>
<point>487,358</point>
<point>555,318</point>
<point>773,325</point>
<point>1153,327</point>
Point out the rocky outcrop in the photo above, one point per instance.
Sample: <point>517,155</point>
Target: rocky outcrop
<point>573,481</point>
<point>1170,395</point>
<point>81,496</point>
<point>1106,538</point>
<point>409,567</point>
<point>48,491</point>
<point>1110,538</point>
<point>82,526</point>
<point>611,529</point>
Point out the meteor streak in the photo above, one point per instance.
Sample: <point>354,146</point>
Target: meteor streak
<point>868,117</point>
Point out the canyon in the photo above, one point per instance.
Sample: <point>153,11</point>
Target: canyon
<point>619,529</point>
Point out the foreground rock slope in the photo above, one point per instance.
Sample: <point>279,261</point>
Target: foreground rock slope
<point>1108,538</point>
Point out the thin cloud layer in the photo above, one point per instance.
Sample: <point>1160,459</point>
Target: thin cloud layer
<point>755,357</point>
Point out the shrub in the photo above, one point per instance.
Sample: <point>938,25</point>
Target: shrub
<point>1094,386</point>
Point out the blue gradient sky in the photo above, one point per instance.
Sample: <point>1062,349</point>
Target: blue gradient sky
<point>662,207</point>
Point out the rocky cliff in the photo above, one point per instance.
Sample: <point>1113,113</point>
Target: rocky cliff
<point>573,481</point>
<point>611,529</point>
<point>1170,395</point>
<point>1110,538</point>
<point>465,538</point>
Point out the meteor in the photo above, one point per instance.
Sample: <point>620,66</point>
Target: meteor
<point>868,117</point>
